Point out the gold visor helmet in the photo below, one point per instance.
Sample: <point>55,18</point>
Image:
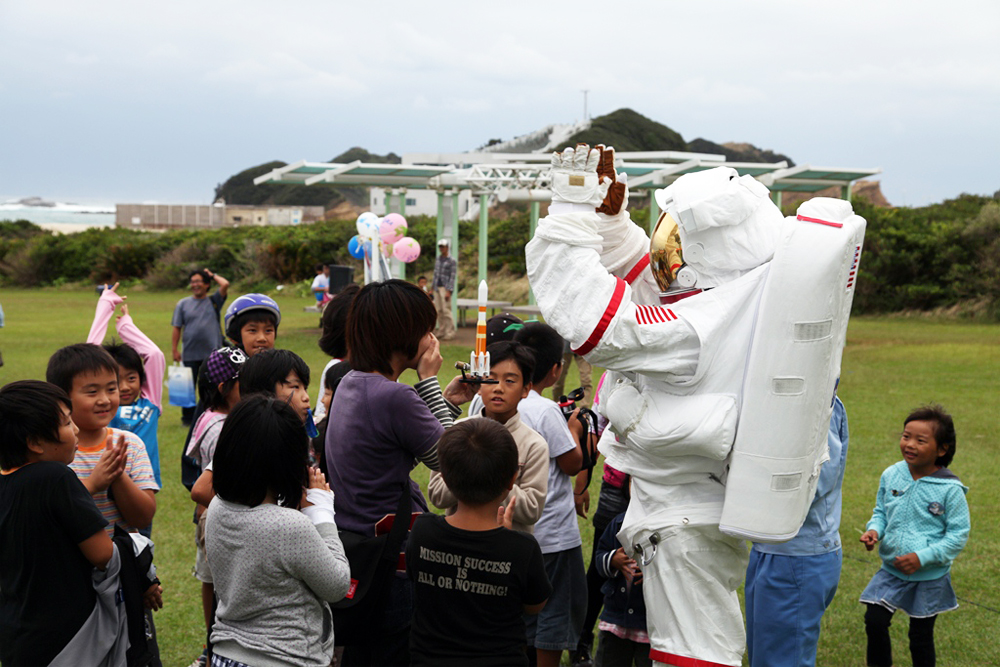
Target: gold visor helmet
<point>665,258</point>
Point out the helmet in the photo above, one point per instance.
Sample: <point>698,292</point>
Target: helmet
<point>726,225</point>
<point>245,304</point>
<point>666,260</point>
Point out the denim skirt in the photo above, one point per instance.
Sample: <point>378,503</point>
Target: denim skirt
<point>919,599</point>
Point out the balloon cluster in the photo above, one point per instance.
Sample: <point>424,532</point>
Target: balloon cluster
<point>388,235</point>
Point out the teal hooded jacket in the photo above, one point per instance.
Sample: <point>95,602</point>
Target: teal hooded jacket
<point>928,517</point>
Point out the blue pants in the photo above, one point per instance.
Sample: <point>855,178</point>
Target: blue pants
<point>785,600</point>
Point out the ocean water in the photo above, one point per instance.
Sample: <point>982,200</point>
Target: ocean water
<point>67,217</point>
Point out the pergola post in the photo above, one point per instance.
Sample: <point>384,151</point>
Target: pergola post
<point>454,224</point>
<point>532,224</point>
<point>484,220</point>
<point>439,233</point>
<point>776,197</point>
<point>454,252</point>
<point>654,211</point>
<point>402,202</point>
<point>846,191</point>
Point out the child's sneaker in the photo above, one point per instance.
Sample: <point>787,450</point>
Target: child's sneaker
<point>201,660</point>
<point>581,657</point>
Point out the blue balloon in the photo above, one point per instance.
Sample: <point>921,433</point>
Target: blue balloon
<point>354,247</point>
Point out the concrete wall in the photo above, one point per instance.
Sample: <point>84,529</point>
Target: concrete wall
<point>181,216</point>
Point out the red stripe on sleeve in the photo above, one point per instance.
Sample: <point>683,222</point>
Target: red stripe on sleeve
<point>605,322</point>
<point>818,221</point>
<point>637,269</point>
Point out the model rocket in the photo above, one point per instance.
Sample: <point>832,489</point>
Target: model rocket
<point>480,358</point>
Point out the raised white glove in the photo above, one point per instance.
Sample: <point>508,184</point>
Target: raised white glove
<point>574,177</point>
<point>321,510</point>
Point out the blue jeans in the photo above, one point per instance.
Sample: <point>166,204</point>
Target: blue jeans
<point>785,600</point>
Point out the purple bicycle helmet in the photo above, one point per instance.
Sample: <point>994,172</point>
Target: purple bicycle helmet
<point>245,304</point>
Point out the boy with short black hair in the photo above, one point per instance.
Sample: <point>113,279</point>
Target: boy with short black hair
<point>559,625</point>
<point>473,580</point>
<point>512,366</point>
<point>52,535</point>
<point>111,463</point>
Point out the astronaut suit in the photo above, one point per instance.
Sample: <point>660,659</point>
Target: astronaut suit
<point>676,373</point>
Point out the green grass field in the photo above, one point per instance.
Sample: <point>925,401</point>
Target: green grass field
<point>890,366</point>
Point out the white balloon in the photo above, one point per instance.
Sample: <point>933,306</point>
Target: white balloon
<point>366,222</point>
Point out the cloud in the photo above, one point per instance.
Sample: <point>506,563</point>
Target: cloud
<point>276,74</point>
<point>77,59</point>
<point>466,104</point>
<point>855,84</point>
<point>713,92</point>
<point>165,51</point>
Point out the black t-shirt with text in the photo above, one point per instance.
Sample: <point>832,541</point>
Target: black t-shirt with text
<point>46,589</point>
<point>469,589</point>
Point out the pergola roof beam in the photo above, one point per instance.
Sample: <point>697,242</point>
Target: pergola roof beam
<point>329,175</point>
<point>839,174</point>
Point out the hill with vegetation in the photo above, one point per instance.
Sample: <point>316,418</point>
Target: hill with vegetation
<point>624,129</point>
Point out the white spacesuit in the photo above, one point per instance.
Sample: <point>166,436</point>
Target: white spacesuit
<point>676,374</point>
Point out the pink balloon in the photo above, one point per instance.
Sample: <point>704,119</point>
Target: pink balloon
<point>392,228</point>
<point>406,249</point>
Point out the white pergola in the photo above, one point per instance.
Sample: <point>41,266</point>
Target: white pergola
<point>526,177</point>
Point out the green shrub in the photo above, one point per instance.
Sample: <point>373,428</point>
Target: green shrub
<point>943,256</point>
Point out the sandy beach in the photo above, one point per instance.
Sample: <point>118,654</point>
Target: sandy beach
<point>68,227</point>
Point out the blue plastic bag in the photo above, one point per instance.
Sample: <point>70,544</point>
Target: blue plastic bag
<point>180,386</point>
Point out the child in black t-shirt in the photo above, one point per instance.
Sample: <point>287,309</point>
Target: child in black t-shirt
<point>51,536</point>
<point>473,580</point>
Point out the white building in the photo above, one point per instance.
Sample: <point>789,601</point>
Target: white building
<point>417,202</point>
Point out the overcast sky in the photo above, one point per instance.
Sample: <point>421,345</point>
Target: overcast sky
<point>140,101</point>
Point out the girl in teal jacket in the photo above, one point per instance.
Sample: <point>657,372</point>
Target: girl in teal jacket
<point>921,519</point>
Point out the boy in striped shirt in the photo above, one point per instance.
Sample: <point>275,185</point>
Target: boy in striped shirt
<point>111,463</point>
<point>108,459</point>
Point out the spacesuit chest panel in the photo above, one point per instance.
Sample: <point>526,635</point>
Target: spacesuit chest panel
<point>683,431</point>
<point>723,320</point>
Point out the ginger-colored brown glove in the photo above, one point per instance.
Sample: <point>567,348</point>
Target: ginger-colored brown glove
<point>616,197</point>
